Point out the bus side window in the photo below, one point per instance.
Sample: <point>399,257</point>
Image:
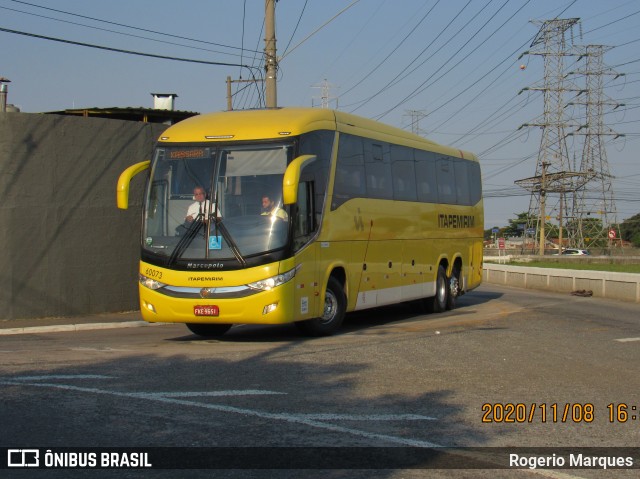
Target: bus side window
<point>404,174</point>
<point>462,182</point>
<point>349,178</point>
<point>426,181</point>
<point>378,170</point>
<point>446,180</point>
<point>475,182</point>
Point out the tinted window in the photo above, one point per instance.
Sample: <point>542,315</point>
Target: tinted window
<point>426,181</point>
<point>446,180</point>
<point>475,182</point>
<point>404,173</point>
<point>377,169</point>
<point>319,143</point>
<point>461,168</point>
<point>374,169</point>
<point>349,179</point>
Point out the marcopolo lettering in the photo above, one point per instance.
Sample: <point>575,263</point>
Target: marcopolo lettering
<point>456,221</point>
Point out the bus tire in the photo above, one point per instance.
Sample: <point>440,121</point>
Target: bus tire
<point>208,330</point>
<point>454,288</point>
<point>335,306</point>
<point>439,302</point>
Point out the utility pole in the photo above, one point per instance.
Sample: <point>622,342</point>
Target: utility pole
<point>543,208</point>
<point>229,94</point>
<point>270,59</point>
<point>3,93</point>
<point>561,182</point>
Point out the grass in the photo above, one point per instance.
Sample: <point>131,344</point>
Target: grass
<point>616,268</point>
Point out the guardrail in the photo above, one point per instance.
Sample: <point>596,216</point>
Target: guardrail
<point>604,284</point>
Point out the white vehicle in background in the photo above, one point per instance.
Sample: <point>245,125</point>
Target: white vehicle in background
<point>575,252</point>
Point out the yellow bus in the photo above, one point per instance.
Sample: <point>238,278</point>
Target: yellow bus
<point>302,215</point>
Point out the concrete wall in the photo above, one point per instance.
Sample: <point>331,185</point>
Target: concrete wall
<point>621,286</point>
<point>65,249</point>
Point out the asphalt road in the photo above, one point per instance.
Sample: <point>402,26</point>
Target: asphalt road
<point>392,378</point>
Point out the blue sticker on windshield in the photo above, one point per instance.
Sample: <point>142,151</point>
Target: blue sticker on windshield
<point>215,242</point>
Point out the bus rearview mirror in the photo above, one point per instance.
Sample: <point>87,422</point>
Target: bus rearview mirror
<point>122,190</point>
<point>292,178</point>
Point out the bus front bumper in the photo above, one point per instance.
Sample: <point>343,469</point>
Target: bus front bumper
<point>264,307</point>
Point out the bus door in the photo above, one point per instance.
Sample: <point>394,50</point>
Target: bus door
<point>307,277</point>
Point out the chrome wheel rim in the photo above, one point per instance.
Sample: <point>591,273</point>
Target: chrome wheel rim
<point>454,286</point>
<point>330,307</point>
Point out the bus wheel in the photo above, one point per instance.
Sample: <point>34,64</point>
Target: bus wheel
<point>208,330</point>
<point>335,305</point>
<point>454,288</point>
<point>439,302</point>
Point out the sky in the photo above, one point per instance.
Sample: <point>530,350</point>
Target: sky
<point>455,71</point>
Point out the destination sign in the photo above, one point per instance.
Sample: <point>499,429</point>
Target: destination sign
<point>188,154</point>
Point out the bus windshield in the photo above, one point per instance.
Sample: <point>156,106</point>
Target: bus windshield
<point>216,203</point>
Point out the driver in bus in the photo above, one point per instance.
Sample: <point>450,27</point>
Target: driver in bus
<point>270,208</point>
<point>199,208</point>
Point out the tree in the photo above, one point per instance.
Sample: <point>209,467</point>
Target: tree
<point>630,230</point>
<point>518,225</point>
<point>488,233</point>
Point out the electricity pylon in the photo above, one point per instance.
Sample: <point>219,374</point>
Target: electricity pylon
<point>325,95</point>
<point>416,116</point>
<point>595,210</point>
<point>553,171</point>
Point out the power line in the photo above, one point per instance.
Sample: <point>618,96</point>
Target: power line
<point>320,28</point>
<point>296,27</point>
<point>117,32</point>
<point>401,73</point>
<point>612,22</point>
<point>258,84</point>
<point>127,26</point>
<point>119,50</point>
<point>474,83</point>
<point>422,86</point>
<point>406,37</point>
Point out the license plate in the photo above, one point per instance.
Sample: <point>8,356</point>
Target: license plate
<point>206,310</point>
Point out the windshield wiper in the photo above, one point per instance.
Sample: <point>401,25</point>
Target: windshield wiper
<point>186,240</point>
<point>232,244</point>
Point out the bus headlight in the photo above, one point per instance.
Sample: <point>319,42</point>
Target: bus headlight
<point>150,283</point>
<point>270,283</point>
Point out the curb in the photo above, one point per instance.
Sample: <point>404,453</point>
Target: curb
<point>61,328</point>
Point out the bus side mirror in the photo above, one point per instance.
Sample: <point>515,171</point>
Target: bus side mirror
<point>122,190</point>
<point>292,178</point>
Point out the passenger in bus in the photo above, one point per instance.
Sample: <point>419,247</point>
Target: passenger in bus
<point>270,208</point>
<point>198,209</point>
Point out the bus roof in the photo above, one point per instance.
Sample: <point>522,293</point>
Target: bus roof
<point>278,123</point>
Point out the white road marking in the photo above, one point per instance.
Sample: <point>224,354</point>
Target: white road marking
<point>366,417</point>
<point>242,392</point>
<point>291,418</point>
<point>312,420</point>
<point>101,350</point>
<point>627,340</point>
<point>60,376</point>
